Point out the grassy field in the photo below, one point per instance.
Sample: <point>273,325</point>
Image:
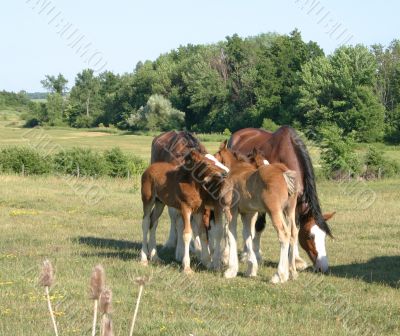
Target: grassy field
<point>79,223</point>
<point>40,221</point>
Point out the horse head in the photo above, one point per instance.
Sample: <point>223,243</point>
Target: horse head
<point>203,167</point>
<point>312,240</point>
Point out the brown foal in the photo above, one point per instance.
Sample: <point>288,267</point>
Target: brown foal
<point>189,188</point>
<point>269,188</point>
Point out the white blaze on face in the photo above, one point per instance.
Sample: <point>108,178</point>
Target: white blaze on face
<point>319,239</point>
<point>266,162</point>
<point>217,163</point>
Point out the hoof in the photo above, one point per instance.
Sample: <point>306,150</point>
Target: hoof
<point>251,273</point>
<point>277,279</point>
<point>301,265</point>
<point>188,271</point>
<point>230,273</point>
<point>294,275</point>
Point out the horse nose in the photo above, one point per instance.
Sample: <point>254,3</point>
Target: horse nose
<point>321,264</point>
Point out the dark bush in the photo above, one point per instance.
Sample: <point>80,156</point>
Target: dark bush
<point>338,157</point>
<point>23,160</point>
<point>80,162</point>
<point>117,162</point>
<point>377,166</point>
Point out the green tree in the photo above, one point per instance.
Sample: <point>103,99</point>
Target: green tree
<point>338,157</point>
<point>55,84</point>
<point>157,115</point>
<point>340,89</point>
<point>85,101</point>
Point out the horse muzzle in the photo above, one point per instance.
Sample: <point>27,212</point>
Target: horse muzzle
<point>321,264</point>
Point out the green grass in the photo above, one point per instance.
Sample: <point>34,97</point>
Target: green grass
<point>39,220</point>
<point>79,223</point>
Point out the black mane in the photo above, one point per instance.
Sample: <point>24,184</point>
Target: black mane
<point>310,195</point>
<point>191,141</point>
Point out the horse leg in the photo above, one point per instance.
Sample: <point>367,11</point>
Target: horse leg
<point>260,226</point>
<point>172,237</point>
<point>218,236</point>
<point>233,263</point>
<point>179,251</point>
<point>195,246</point>
<point>145,229</point>
<point>155,215</point>
<point>282,275</point>
<point>231,235</point>
<point>291,217</point>
<point>301,264</point>
<point>249,220</point>
<point>187,236</point>
<point>204,251</point>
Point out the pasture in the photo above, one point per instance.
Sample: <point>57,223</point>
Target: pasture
<point>57,218</point>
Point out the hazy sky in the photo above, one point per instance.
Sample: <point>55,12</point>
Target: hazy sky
<point>119,33</point>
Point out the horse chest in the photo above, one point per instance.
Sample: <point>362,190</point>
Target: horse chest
<point>190,195</point>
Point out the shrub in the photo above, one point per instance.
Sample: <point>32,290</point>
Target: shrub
<point>378,166</point>
<point>83,121</point>
<point>227,132</point>
<point>269,125</point>
<point>338,156</point>
<point>117,162</point>
<point>80,161</point>
<point>136,165</point>
<point>23,160</point>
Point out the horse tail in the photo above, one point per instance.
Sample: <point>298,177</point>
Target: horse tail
<point>310,195</point>
<point>291,182</point>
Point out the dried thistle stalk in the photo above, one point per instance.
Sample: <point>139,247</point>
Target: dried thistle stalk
<point>106,301</point>
<point>97,282</point>
<point>46,279</point>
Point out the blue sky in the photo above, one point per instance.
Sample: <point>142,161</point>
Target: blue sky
<point>122,32</point>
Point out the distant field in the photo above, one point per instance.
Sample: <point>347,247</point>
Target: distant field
<point>12,134</point>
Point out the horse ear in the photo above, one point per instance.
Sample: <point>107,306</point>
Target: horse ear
<point>223,145</point>
<point>329,215</point>
<point>255,152</point>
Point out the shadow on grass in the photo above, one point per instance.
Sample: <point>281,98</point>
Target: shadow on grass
<point>381,270</point>
<point>123,249</point>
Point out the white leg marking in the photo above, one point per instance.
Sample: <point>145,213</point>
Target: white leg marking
<point>252,264</point>
<point>233,263</point>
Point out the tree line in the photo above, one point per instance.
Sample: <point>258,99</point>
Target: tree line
<point>269,79</point>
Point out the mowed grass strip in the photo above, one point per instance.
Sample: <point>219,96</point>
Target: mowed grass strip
<point>49,217</point>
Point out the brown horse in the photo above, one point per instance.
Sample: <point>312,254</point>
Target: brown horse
<point>171,147</point>
<point>269,188</point>
<point>285,146</point>
<point>189,188</point>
